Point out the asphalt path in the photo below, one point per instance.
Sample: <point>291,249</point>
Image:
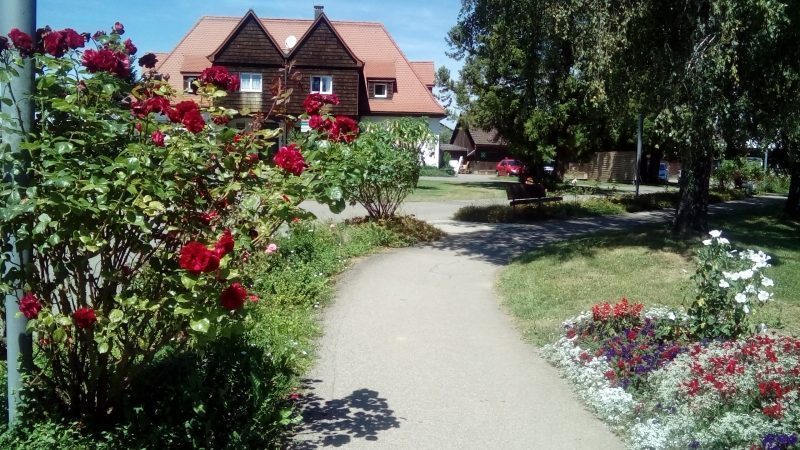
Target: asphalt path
<point>419,354</point>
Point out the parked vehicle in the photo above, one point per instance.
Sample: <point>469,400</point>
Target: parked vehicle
<point>663,173</point>
<point>508,167</point>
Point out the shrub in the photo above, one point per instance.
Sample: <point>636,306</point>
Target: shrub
<point>139,226</point>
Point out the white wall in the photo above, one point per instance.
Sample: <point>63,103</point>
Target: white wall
<point>430,154</point>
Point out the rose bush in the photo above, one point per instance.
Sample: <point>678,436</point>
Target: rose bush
<point>140,215</point>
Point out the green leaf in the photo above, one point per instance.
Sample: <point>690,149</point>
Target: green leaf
<point>201,326</point>
<point>188,281</point>
<point>64,321</point>
<point>115,316</point>
<point>102,347</point>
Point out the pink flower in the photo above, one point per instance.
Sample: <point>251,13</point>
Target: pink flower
<point>158,138</point>
<point>272,248</point>
<point>129,47</point>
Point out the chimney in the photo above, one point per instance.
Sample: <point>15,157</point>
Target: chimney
<point>318,11</point>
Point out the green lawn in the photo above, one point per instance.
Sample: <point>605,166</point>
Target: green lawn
<point>432,190</point>
<point>551,284</point>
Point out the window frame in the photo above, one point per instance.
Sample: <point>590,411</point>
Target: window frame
<point>188,87</point>
<point>251,76</point>
<point>385,90</point>
<point>322,84</point>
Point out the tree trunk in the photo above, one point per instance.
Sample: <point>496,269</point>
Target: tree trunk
<point>792,207</point>
<point>691,216</point>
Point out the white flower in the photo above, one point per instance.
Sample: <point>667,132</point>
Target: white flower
<point>707,242</point>
<point>715,233</point>
<point>740,298</point>
<point>746,309</point>
<point>746,274</point>
<point>763,295</point>
<point>671,315</point>
<point>750,289</point>
<point>723,241</point>
<point>724,284</point>
<point>767,282</point>
<point>733,276</point>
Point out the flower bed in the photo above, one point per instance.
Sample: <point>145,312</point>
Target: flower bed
<point>662,380</point>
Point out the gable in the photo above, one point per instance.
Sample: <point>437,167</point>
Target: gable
<point>249,44</point>
<point>322,47</point>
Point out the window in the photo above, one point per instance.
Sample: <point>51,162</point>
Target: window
<point>188,85</point>
<point>250,82</point>
<point>381,90</point>
<point>322,84</point>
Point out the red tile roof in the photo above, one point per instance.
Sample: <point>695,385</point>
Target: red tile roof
<point>369,41</point>
<point>425,72</point>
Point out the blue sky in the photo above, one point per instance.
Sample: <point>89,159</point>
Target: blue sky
<point>418,26</point>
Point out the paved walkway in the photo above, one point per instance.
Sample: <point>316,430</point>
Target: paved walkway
<point>418,354</point>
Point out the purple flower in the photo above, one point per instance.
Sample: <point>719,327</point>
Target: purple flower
<point>778,441</point>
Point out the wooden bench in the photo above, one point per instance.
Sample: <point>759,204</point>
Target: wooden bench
<point>521,194</point>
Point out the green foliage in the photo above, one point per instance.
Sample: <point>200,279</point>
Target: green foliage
<point>775,183</point>
<point>385,164</point>
<point>736,172</point>
<point>428,171</point>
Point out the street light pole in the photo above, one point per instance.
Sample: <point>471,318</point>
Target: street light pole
<point>638,169</point>
<point>17,14</point>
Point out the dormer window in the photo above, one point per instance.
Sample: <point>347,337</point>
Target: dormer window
<point>188,84</point>
<point>381,90</point>
<point>322,84</point>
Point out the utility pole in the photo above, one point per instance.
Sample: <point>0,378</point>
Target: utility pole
<point>637,170</point>
<point>17,14</point>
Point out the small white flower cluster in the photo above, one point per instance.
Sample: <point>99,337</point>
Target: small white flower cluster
<point>750,281</point>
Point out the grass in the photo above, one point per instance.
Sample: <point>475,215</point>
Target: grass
<point>586,207</point>
<point>549,285</point>
<point>432,190</point>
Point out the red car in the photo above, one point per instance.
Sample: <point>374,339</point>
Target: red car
<point>508,167</point>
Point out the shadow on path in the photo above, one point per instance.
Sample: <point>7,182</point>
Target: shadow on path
<point>334,423</point>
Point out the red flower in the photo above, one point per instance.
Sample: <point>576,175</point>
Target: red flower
<point>98,34</point>
<point>319,123</point>
<point>119,28</point>
<point>151,105</point>
<point>193,121</point>
<point>73,38</point>
<point>207,217</point>
<point>219,77</point>
<point>225,244</point>
<point>29,306</point>
<point>3,44</point>
<point>253,298</point>
<point>290,159</point>
<point>197,258</point>
<point>774,411</point>
<point>107,60</point>
<point>252,158</point>
<point>84,317</point>
<point>176,114</point>
<point>233,296</point>
<point>148,60</point>
<point>22,41</point>
<point>314,102</point>
<point>129,47</point>
<point>55,44</point>
<point>221,120</point>
<point>158,138</point>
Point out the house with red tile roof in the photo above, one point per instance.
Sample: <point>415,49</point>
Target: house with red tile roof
<point>483,149</point>
<point>357,61</point>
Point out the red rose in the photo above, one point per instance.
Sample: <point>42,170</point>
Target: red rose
<point>313,103</point>
<point>197,258</point>
<point>84,317</point>
<point>129,47</point>
<point>55,44</point>
<point>193,121</point>
<point>106,60</point>
<point>252,158</point>
<point>219,77</point>
<point>344,129</point>
<point>331,99</point>
<point>30,306</point>
<point>151,105</point>
<point>138,127</point>
<point>98,34</point>
<point>22,41</point>
<point>290,159</point>
<point>74,39</point>
<point>237,138</point>
<point>253,298</point>
<point>3,44</point>
<point>207,217</point>
<point>158,138</point>
<point>149,60</point>
<point>233,297</point>
<point>225,244</point>
<point>119,28</point>
<point>221,120</point>
<point>319,123</point>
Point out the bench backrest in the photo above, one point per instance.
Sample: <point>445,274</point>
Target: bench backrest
<point>521,190</point>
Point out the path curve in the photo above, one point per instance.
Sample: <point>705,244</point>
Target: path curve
<point>418,353</point>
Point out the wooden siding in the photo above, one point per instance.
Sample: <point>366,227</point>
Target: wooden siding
<point>345,86</point>
<point>250,45</point>
<point>607,166</point>
<point>321,48</point>
<point>461,139</point>
<point>390,88</point>
<point>254,101</point>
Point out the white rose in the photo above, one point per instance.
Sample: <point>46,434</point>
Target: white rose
<point>741,298</point>
<point>746,309</point>
<point>671,316</point>
<point>746,274</point>
<point>723,241</point>
<point>724,284</point>
<point>767,282</point>
<point>750,289</point>
<point>715,233</point>
<point>707,242</point>
<point>763,295</point>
